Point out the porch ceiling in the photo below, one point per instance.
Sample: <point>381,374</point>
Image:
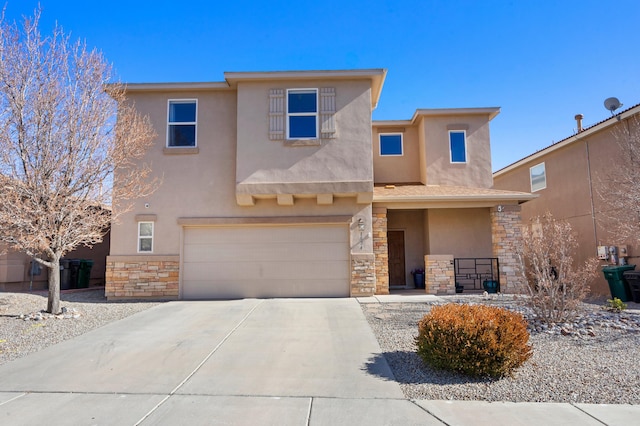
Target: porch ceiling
<point>441,196</point>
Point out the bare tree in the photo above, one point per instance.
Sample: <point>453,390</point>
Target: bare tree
<point>65,129</point>
<point>619,189</point>
<point>556,284</point>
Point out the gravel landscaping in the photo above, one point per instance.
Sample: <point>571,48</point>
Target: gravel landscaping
<point>25,329</point>
<point>595,359</point>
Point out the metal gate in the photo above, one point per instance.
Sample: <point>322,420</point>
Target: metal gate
<point>472,272</point>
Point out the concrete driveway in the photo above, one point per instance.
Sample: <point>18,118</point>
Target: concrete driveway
<point>279,361</point>
<point>245,362</point>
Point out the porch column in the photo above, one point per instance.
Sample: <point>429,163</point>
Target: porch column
<point>381,249</point>
<point>506,235</point>
<point>439,274</point>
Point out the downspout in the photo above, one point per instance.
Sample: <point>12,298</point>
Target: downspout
<point>579,118</point>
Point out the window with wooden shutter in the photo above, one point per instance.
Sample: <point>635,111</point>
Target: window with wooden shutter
<point>276,114</point>
<point>280,115</point>
<point>327,112</point>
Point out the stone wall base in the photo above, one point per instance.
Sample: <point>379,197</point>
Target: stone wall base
<point>439,274</point>
<point>130,277</point>
<point>363,275</point>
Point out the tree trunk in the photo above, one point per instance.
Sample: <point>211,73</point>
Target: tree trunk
<point>53,304</point>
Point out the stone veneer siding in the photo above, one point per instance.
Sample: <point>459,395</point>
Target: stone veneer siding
<point>142,276</point>
<point>506,230</point>
<point>439,274</point>
<point>381,249</point>
<point>363,274</point>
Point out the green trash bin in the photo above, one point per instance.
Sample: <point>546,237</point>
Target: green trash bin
<point>84,274</point>
<point>617,284</point>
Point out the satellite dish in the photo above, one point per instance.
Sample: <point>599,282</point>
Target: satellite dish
<point>612,104</point>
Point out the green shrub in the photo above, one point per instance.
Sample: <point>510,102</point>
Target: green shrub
<point>477,340</point>
<point>615,305</point>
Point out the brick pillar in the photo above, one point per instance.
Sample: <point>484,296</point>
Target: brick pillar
<point>381,249</point>
<point>439,274</point>
<point>506,235</point>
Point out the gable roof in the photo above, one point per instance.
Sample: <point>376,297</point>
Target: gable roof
<point>601,125</point>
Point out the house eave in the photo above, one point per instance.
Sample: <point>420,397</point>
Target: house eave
<point>164,87</point>
<point>492,112</point>
<point>376,75</point>
<point>571,139</point>
<point>443,201</point>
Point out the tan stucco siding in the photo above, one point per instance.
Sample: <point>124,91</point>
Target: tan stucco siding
<point>397,169</point>
<point>203,184</point>
<point>345,158</point>
<point>460,232</point>
<point>476,172</point>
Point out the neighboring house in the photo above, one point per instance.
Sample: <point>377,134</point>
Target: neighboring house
<point>567,176</point>
<point>17,272</point>
<point>278,184</point>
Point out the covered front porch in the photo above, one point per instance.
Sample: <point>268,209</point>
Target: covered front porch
<point>439,232</point>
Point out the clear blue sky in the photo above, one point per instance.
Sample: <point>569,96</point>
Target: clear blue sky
<point>541,61</point>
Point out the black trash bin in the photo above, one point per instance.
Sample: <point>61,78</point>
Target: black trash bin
<point>84,274</point>
<point>65,274</point>
<point>633,279</point>
<point>617,284</point>
<point>75,269</point>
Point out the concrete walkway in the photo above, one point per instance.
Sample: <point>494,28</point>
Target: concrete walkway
<point>253,362</point>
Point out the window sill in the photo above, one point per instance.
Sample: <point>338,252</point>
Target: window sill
<point>303,142</point>
<point>181,151</point>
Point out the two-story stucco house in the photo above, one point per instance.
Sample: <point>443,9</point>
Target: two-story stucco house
<point>278,184</point>
<point>570,178</point>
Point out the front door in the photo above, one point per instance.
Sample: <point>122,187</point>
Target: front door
<point>395,240</point>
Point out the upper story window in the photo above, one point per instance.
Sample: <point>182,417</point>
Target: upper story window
<point>538,177</point>
<point>390,144</point>
<point>458,146</point>
<point>302,114</point>
<point>182,120</point>
<point>145,237</point>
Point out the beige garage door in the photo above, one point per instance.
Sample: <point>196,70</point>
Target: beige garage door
<point>265,261</point>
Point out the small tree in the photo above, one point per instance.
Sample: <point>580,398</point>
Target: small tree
<point>619,189</point>
<point>556,285</point>
<point>64,130</point>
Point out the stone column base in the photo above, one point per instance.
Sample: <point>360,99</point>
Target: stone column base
<point>439,274</point>
<point>363,274</point>
<point>133,277</point>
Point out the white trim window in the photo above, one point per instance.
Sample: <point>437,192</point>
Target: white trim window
<point>391,144</point>
<point>538,177</point>
<point>302,113</point>
<point>182,123</point>
<point>145,237</point>
<point>458,146</point>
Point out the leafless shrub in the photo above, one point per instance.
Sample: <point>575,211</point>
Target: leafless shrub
<point>556,286</point>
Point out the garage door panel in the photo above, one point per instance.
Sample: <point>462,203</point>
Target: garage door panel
<point>253,234</point>
<point>266,261</point>
<point>223,252</point>
<point>208,289</point>
<point>238,271</point>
